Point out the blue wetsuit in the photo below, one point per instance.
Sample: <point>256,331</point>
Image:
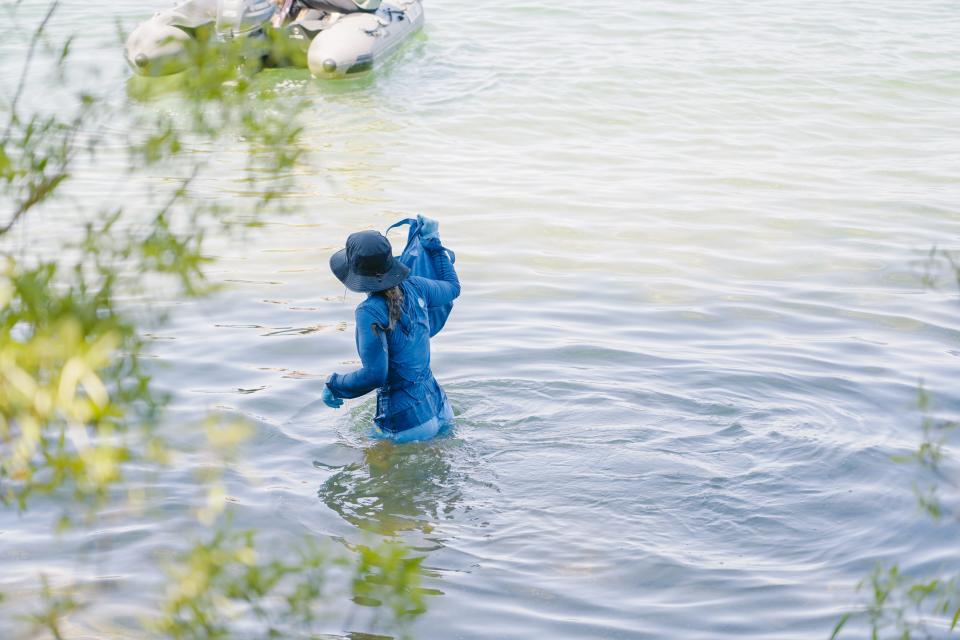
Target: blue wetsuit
<point>410,403</point>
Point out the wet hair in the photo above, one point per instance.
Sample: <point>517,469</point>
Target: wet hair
<point>394,297</point>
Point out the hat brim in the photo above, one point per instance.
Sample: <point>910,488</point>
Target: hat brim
<point>354,281</point>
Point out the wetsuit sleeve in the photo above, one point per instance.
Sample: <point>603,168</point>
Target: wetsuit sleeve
<point>446,288</point>
<point>372,347</point>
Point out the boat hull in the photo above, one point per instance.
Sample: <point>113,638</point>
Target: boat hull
<point>359,41</point>
<point>335,46</point>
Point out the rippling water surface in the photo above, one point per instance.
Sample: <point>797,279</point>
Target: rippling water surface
<point>692,329</point>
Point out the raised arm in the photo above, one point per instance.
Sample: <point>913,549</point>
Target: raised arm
<point>372,347</point>
<point>446,288</point>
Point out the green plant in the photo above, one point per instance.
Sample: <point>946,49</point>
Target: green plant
<point>899,605</point>
<point>56,606</point>
<point>77,405</point>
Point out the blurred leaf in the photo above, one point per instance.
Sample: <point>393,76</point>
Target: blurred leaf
<point>78,411</point>
<point>839,626</point>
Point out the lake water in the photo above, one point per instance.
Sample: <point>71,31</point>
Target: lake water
<point>691,237</point>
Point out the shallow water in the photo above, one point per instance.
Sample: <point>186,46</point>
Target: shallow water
<point>691,238</point>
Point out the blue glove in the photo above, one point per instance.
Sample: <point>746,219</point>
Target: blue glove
<point>432,245</point>
<point>429,228</point>
<point>331,400</point>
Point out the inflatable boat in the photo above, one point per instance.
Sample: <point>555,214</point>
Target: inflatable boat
<point>332,44</point>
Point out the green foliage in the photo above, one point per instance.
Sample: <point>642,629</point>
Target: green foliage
<point>35,152</point>
<point>387,575</point>
<point>56,606</point>
<point>220,69</point>
<point>223,583</point>
<point>218,581</point>
<point>900,606</point>
<point>64,393</point>
<point>70,377</point>
<point>221,101</point>
<point>77,408</point>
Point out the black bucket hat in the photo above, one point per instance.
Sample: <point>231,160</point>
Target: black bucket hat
<point>367,263</point>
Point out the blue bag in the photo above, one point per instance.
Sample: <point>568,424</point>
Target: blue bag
<point>416,258</point>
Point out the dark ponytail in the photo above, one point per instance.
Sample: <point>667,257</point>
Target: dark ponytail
<point>394,297</point>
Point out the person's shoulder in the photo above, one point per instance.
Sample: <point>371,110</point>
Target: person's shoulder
<point>418,284</point>
<point>417,281</point>
<point>375,306</point>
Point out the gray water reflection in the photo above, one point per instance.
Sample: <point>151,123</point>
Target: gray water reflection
<point>395,488</point>
<point>398,491</point>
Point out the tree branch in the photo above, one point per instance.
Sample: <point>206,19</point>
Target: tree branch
<point>42,190</point>
<point>21,84</point>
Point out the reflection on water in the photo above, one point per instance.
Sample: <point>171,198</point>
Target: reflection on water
<point>398,491</point>
<point>395,488</point>
<point>355,635</point>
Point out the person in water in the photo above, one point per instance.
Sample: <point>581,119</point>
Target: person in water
<point>393,334</point>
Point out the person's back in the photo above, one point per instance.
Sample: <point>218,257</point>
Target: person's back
<point>409,341</point>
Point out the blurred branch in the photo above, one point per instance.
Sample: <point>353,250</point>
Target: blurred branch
<point>56,607</point>
<point>21,84</point>
<point>79,413</point>
<point>44,189</point>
